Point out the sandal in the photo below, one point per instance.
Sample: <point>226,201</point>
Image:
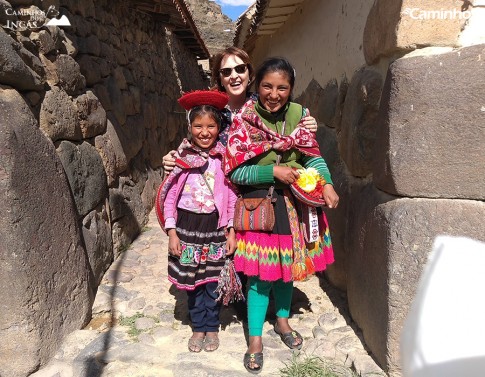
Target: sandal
<point>289,338</point>
<point>253,358</point>
<point>196,344</point>
<point>211,343</point>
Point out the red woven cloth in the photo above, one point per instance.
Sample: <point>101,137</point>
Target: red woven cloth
<point>249,137</point>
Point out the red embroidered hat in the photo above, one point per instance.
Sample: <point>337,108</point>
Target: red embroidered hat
<point>204,97</point>
<point>305,197</point>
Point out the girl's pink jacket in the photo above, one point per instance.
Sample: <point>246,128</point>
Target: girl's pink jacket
<point>224,198</point>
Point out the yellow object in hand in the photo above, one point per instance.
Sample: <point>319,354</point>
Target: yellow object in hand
<point>308,179</point>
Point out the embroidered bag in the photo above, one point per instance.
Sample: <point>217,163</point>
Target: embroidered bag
<point>255,213</point>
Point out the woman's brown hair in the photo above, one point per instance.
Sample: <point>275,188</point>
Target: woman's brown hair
<point>216,66</point>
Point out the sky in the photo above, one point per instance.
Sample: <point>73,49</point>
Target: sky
<point>234,8</point>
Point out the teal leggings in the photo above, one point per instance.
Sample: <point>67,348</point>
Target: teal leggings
<point>258,300</point>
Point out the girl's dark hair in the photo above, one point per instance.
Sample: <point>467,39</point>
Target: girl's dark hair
<point>275,64</point>
<point>216,66</point>
<point>197,111</point>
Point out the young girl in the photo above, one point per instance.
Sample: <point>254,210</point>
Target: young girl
<point>195,206</point>
<point>266,147</point>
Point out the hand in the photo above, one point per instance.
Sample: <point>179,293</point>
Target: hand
<point>330,196</point>
<point>168,161</point>
<point>310,123</point>
<point>285,174</point>
<point>231,243</point>
<point>174,243</point>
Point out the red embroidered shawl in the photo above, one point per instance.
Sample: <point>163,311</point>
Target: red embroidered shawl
<point>249,137</point>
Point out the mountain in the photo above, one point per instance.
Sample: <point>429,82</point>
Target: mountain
<point>212,23</point>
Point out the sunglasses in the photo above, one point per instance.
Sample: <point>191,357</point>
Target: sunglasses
<point>226,72</point>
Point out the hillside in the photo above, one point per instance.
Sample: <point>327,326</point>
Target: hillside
<point>212,24</point>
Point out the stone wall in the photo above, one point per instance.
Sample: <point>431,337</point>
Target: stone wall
<point>398,93</point>
<point>86,113</point>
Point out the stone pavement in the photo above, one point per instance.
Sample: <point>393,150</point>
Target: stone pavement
<point>150,327</point>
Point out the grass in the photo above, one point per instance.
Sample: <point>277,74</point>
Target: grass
<point>314,366</point>
<point>130,322</point>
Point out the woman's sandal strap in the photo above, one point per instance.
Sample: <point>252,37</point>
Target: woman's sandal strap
<point>289,338</point>
<point>255,358</point>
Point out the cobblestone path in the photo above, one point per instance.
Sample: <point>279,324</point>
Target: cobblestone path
<point>151,327</point>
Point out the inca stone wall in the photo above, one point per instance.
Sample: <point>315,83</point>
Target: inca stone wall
<point>86,114</point>
<point>402,128</point>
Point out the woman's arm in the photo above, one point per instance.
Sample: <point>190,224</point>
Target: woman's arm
<point>319,164</point>
<point>248,175</point>
<point>254,174</point>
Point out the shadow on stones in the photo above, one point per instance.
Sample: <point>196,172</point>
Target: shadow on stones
<point>94,363</point>
<point>228,314</point>
<point>236,312</point>
<point>299,303</point>
<point>338,297</point>
<point>339,300</point>
<point>93,366</point>
<point>181,311</point>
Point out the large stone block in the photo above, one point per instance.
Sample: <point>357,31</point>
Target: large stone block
<point>389,242</point>
<point>155,109</point>
<point>96,232</point>
<point>15,72</point>
<point>431,129</point>
<point>58,116</point>
<point>111,151</point>
<point>6,13</point>
<point>90,69</point>
<point>46,291</point>
<point>358,125</point>
<point>70,46</point>
<point>131,135</point>
<point>116,100</point>
<point>91,115</point>
<point>398,26</point>
<point>32,61</point>
<point>342,93</point>
<point>128,213</point>
<point>337,218</point>
<point>81,26</point>
<point>69,73</point>
<point>85,172</point>
<point>150,189</point>
<point>322,102</point>
<point>89,45</point>
<point>43,40</point>
<point>151,148</point>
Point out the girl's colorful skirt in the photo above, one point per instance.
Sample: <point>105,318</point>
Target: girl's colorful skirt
<point>203,250</point>
<point>273,256</point>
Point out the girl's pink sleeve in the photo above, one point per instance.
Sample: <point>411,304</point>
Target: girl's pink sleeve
<point>231,203</point>
<point>170,205</point>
